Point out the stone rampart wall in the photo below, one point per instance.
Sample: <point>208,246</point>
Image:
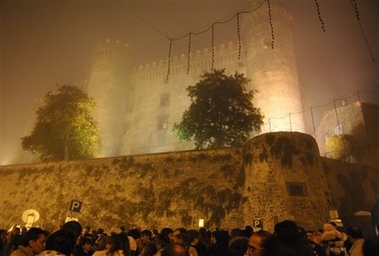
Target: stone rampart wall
<point>275,176</point>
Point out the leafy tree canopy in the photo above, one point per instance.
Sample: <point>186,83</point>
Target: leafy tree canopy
<point>65,128</point>
<point>344,147</point>
<point>221,113</point>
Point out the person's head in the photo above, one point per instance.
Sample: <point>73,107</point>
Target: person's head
<point>122,229</point>
<point>119,242</point>
<point>238,246</point>
<point>202,231</point>
<point>194,236</point>
<point>169,233</point>
<point>162,241</point>
<point>180,231</point>
<point>85,243</point>
<point>35,239</point>
<point>74,227</point>
<point>309,234</point>
<point>149,249</point>
<point>258,242</point>
<point>235,232</point>
<point>102,242</point>
<point>183,239</point>
<point>16,231</point>
<point>174,249</point>
<point>220,236</point>
<point>354,233</point>
<point>146,236</point>
<point>62,241</point>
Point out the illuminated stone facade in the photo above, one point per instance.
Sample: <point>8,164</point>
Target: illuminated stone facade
<point>138,107</point>
<point>359,119</point>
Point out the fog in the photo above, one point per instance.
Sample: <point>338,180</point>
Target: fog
<point>49,43</point>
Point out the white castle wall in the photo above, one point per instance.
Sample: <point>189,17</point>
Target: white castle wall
<point>137,108</point>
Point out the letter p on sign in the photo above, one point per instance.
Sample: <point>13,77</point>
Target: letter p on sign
<point>257,225</point>
<point>75,206</point>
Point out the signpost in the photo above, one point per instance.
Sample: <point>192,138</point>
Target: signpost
<point>75,206</point>
<point>257,225</point>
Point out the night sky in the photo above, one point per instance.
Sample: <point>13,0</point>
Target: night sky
<point>48,43</point>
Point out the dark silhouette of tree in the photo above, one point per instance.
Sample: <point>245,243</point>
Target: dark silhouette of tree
<point>65,128</point>
<point>221,113</point>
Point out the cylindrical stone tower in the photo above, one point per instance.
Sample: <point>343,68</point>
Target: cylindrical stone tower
<point>285,180</point>
<point>273,71</point>
<point>110,87</point>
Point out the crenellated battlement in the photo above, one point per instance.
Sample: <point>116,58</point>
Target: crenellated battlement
<point>220,53</point>
<point>111,50</point>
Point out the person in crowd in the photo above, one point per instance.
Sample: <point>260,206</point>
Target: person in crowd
<point>180,230</point>
<point>84,248</point>
<point>75,227</point>
<point>258,242</point>
<point>174,249</point>
<point>154,232</point>
<point>119,245</point>
<point>33,242</point>
<point>200,248</point>
<point>134,236</point>
<point>205,238</point>
<point>287,241</point>
<point>14,241</point>
<point>3,240</point>
<point>102,244</point>
<point>249,230</point>
<point>355,236</point>
<point>219,240</point>
<point>149,249</point>
<point>235,232</point>
<point>169,233</point>
<point>60,242</point>
<point>146,237</point>
<point>185,240</point>
<point>238,246</point>
<point>317,249</point>
<point>161,242</point>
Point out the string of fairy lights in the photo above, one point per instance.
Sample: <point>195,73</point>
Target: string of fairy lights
<point>237,16</point>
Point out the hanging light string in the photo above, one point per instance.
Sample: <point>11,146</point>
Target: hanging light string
<point>169,61</point>
<point>213,46</point>
<point>189,53</point>
<point>319,16</point>
<point>204,31</point>
<point>239,36</point>
<point>270,22</point>
<point>355,8</point>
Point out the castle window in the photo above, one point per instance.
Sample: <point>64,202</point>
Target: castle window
<point>165,100</point>
<point>296,189</point>
<point>162,123</point>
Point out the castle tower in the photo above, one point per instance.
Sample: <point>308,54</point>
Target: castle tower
<point>110,87</point>
<point>273,71</point>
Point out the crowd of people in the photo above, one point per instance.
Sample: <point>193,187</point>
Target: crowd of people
<point>287,239</point>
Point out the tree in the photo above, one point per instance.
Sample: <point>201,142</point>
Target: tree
<point>221,113</point>
<point>65,128</point>
<point>344,147</point>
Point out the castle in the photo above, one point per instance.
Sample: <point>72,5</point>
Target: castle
<point>136,108</point>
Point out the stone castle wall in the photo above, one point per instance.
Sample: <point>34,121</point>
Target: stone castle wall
<point>275,176</point>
